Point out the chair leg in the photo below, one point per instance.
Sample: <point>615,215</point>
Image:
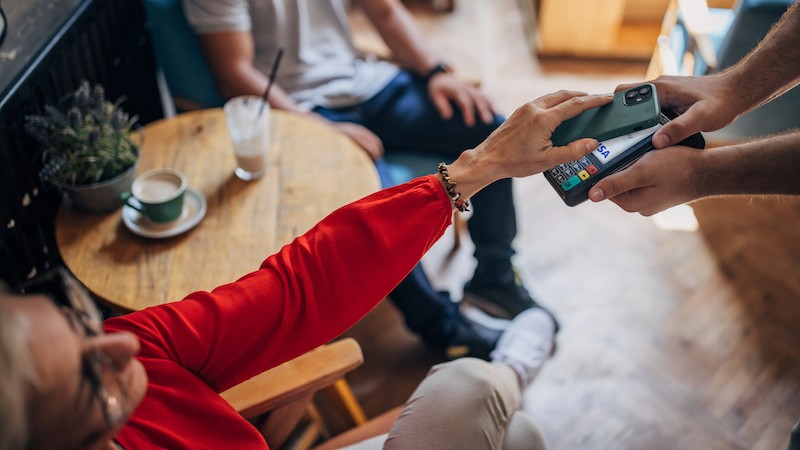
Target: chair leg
<point>339,407</point>
<point>281,422</point>
<point>308,432</point>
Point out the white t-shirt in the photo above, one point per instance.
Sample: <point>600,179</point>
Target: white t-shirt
<point>320,65</point>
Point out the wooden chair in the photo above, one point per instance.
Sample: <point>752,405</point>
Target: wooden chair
<point>304,400</point>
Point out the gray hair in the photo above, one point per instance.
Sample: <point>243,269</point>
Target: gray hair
<point>17,375</point>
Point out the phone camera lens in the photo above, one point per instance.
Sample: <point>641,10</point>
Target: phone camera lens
<point>644,90</point>
<point>630,94</point>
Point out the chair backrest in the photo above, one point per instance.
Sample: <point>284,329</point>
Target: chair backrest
<point>311,386</point>
<point>180,57</point>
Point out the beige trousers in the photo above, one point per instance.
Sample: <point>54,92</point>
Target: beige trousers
<point>466,404</point>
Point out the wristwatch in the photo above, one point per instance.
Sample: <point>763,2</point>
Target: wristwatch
<point>438,68</point>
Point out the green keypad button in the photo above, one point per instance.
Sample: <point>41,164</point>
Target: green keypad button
<point>571,183</point>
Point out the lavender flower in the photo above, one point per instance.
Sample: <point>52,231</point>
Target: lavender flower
<point>86,140</point>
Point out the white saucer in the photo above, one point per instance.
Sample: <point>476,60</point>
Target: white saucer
<point>194,209</point>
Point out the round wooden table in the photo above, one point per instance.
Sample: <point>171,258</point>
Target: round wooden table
<point>313,169</point>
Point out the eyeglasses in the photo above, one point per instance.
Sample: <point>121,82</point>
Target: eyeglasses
<point>98,369</point>
<point>3,25</point>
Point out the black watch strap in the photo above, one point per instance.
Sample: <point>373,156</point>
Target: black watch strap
<point>438,68</point>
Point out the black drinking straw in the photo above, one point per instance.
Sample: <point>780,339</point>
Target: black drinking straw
<point>271,79</point>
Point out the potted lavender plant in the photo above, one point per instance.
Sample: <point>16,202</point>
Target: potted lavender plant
<point>87,148</point>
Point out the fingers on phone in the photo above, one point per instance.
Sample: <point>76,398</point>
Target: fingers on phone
<point>626,86</point>
<point>573,106</point>
<point>574,150</point>
<point>556,98</point>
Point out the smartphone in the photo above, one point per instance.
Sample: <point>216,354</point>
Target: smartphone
<point>572,181</point>
<point>631,110</point>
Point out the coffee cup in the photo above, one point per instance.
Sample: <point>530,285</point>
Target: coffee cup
<point>158,194</point>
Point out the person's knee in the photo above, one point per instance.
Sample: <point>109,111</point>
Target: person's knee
<point>523,434</point>
<point>469,375</point>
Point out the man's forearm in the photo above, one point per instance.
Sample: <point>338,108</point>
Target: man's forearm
<point>230,56</point>
<point>773,67</point>
<point>399,30</point>
<point>251,81</point>
<point>764,166</point>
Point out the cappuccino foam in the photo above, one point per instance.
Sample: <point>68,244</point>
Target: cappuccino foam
<point>158,188</point>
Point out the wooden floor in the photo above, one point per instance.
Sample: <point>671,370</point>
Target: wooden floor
<point>680,331</point>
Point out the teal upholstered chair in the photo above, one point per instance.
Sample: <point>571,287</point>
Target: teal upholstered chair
<point>180,58</point>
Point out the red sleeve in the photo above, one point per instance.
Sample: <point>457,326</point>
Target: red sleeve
<point>308,293</point>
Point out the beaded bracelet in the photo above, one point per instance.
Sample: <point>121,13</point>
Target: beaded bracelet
<point>450,187</point>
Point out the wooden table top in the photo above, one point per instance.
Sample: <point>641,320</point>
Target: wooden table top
<point>313,169</point>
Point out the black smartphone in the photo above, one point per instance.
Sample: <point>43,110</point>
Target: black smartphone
<point>572,181</point>
<point>631,110</point>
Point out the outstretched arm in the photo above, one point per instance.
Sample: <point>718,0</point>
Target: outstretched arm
<point>675,175</point>
<point>708,103</point>
<point>322,283</point>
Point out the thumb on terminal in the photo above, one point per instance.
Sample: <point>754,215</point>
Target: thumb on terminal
<point>597,194</point>
<point>609,187</point>
<point>676,130</point>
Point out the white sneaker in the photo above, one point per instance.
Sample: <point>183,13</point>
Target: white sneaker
<point>526,344</point>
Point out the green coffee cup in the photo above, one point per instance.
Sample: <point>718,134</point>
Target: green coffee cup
<point>158,194</point>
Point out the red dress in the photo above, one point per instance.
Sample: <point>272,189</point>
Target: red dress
<point>308,293</point>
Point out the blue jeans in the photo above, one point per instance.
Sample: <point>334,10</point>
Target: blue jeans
<point>405,119</point>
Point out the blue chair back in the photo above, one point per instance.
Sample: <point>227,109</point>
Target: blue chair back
<point>179,56</point>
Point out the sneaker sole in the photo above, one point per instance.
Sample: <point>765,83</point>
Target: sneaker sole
<point>486,306</point>
<point>493,310</point>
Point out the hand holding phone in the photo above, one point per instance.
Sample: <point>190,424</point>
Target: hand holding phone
<point>631,110</point>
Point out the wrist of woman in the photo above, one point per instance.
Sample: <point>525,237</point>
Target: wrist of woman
<point>467,174</point>
<point>457,199</point>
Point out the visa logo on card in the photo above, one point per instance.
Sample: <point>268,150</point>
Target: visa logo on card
<point>611,148</point>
